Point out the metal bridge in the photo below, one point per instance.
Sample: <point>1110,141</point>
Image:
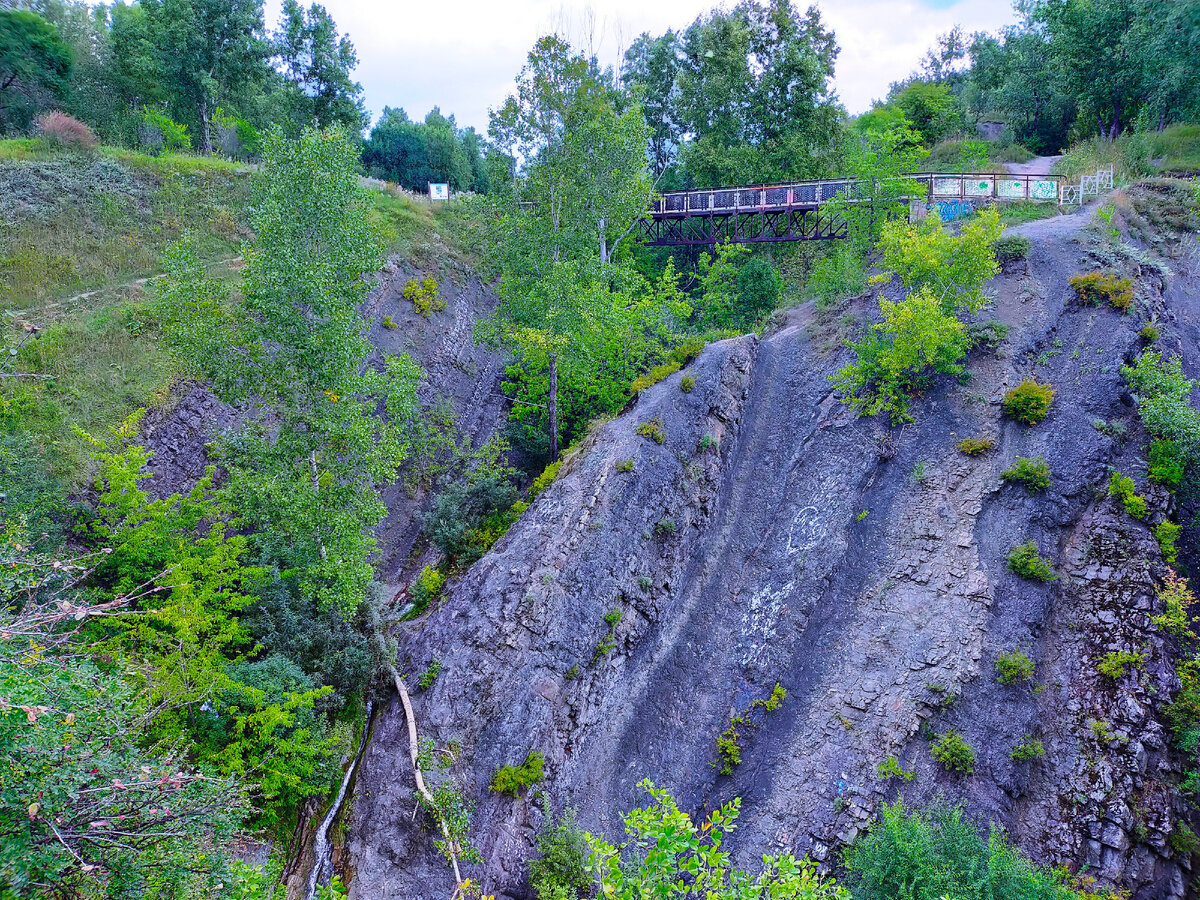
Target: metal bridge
<point>797,211</point>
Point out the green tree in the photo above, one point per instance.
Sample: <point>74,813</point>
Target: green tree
<point>652,65</point>
<point>35,65</point>
<point>585,185</point>
<point>668,855</point>
<point>316,63</point>
<point>306,476</point>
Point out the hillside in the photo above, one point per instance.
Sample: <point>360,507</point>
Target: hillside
<point>775,539</point>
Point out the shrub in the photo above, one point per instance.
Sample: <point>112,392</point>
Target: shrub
<point>1183,840</point>
<point>687,384</point>
<point>424,296</point>
<point>625,465</point>
<point>1033,472</point>
<point>1123,488</point>
<point>1177,599</point>
<point>891,768</point>
<point>544,480</point>
<point>975,446</point>
<point>688,350</point>
<point>426,587</point>
<point>469,517</point>
<point>388,323</point>
<point>65,131</point>
<point>1094,288</point>
<point>1029,401</point>
<point>1167,533</point>
<point>1027,748</point>
<point>513,780</point>
<point>653,429</point>
<point>1149,333</point>
<point>729,746</point>
<point>560,872</point>
<point>935,853</point>
<point>708,442</point>
<point>953,752</point>
<point>1024,560</point>
<point>1011,248</point>
<point>1166,463</point>
<point>664,528</point>
<point>1013,667</point>
<point>159,133</point>
<point>1114,665</point>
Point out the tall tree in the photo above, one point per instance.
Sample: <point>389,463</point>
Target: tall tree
<point>652,65</point>
<point>316,62</point>
<point>210,51</point>
<point>585,184</point>
<point>34,63</point>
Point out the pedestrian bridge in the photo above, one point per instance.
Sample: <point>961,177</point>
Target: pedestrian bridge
<point>810,210</point>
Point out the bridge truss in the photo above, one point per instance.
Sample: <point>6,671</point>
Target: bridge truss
<point>800,211</point>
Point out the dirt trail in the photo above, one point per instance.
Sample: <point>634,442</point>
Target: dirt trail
<point>1039,165</point>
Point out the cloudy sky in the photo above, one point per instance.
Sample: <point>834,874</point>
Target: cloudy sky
<point>462,55</point>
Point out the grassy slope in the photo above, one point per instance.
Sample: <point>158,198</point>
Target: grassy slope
<point>80,236</point>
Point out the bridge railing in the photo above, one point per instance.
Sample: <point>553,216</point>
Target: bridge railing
<point>810,194</point>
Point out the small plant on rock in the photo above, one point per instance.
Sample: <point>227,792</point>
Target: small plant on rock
<point>653,430</point>
<point>424,296</point>
<point>560,872</point>
<point>1024,560</point>
<point>1114,665</point>
<point>1148,333</point>
<point>1123,488</point>
<point>388,323</point>
<point>1183,840</point>
<point>1177,599</point>
<point>664,528</point>
<point>974,446</point>
<point>1029,402</point>
<point>625,465</point>
<point>687,384</point>
<point>513,780</point>
<point>1033,472</point>
<point>1166,533</point>
<point>426,587</point>
<point>429,676</point>
<point>1013,667</point>
<point>1027,748</point>
<point>1166,463</point>
<point>708,442</point>
<point>729,743</point>
<point>1093,288</point>
<point>953,752</point>
<point>891,768</point>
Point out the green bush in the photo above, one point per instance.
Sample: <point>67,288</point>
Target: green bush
<point>1094,288</point>
<point>388,323</point>
<point>1027,748</point>
<point>470,516</point>
<point>1114,665</point>
<point>625,465</point>
<point>953,752</point>
<point>1033,472</point>
<point>687,384</point>
<point>429,676</point>
<point>159,133</point>
<point>1123,488</point>
<point>560,871</point>
<point>975,446</point>
<point>934,854</point>
<point>1167,533</point>
<point>840,272</point>
<point>513,780</point>
<point>426,587</point>
<point>1013,667</point>
<point>1012,248</point>
<point>1024,560</point>
<point>1183,840</point>
<point>424,296</point>
<point>655,375</point>
<point>891,768</point>
<point>1029,402</point>
<point>1149,333</point>
<point>1166,463</point>
<point>653,429</point>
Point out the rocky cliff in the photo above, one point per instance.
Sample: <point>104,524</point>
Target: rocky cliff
<point>772,537</point>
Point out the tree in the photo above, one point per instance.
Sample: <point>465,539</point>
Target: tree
<point>416,154</point>
<point>316,63</point>
<point>755,95</point>
<point>306,476</point>
<point>210,52</point>
<point>652,65</point>
<point>585,185</point>
<point>668,855</point>
<point>34,61</point>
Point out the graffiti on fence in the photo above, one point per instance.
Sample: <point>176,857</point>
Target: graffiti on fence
<point>949,210</point>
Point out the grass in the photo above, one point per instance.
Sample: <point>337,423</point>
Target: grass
<point>1021,211</point>
<point>948,156</point>
<point>1175,149</point>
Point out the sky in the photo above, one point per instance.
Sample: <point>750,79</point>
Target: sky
<point>463,55</point>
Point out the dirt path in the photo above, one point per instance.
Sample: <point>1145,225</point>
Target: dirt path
<point>1039,165</point>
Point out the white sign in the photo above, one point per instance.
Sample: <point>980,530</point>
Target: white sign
<point>439,192</point>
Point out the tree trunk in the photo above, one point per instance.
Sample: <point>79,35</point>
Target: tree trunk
<point>552,407</point>
<point>205,139</point>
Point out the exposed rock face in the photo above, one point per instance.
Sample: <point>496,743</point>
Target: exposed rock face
<point>861,568</point>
